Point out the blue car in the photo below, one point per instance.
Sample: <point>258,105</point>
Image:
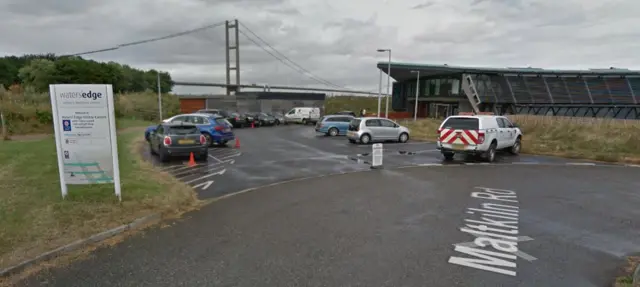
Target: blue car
<point>216,129</point>
<point>333,125</point>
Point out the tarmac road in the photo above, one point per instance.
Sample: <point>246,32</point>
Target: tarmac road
<point>391,227</point>
<point>273,154</point>
<point>432,225</point>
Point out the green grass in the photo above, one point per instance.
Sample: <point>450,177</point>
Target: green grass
<point>585,138</point>
<point>34,218</point>
<point>128,123</point>
<point>351,103</point>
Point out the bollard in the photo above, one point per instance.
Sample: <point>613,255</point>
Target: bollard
<point>376,156</point>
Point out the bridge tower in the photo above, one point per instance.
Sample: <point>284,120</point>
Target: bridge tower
<point>235,47</point>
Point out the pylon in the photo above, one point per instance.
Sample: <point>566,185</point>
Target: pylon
<point>192,160</point>
<point>237,143</point>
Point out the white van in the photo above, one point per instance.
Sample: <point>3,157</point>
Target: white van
<point>303,115</point>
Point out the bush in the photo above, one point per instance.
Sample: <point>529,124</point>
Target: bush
<point>28,112</point>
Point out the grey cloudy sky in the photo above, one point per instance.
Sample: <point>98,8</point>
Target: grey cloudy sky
<point>334,39</point>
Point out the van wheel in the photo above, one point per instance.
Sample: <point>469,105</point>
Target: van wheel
<point>515,149</point>
<point>365,139</point>
<point>304,122</point>
<point>490,154</point>
<point>333,132</point>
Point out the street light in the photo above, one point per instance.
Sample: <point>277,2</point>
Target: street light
<point>386,110</point>
<point>415,109</point>
<point>379,92</point>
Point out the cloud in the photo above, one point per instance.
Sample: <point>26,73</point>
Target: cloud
<point>335,40</point>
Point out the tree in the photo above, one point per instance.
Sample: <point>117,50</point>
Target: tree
<point>38,74</point>
<point>38,71</point>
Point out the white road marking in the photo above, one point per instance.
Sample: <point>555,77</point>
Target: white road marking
<point>430,164</point>
<point>213,157</point>
<point>206,176</point>
<point>525,163</point>
<point>495,228</point>
<point>225,153</point>
<point>204,185</point>
<point>632,165</point>
<point>187,167</point>
<point>230,156</point>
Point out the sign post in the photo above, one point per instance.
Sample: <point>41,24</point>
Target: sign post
<point>376,156</point>
<point>85,134</point>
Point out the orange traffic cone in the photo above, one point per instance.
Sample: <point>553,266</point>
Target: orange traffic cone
<point>237,143</point>
<point>192,160</point>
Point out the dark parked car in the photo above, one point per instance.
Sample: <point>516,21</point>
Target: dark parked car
<point>237,120</point>
<point>250,118</point>
<point>278,116</point>
<point>266,120</point>
<point>178,139</point>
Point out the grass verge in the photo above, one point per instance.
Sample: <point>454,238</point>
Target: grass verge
<point>626,280</point>
<point>34,218</point>
<point>585,138</point>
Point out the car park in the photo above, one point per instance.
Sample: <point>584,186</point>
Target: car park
<point>303,115</point>
<point>177,139</point>
<point>216,129</point>
<point>333,125</point>
<point>366,130</point>
<point>481,134</point>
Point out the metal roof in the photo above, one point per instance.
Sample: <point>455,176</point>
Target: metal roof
<point>402,71</point>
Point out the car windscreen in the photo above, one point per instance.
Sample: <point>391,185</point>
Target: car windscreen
<point>461,124</point>
<point>183,130</point>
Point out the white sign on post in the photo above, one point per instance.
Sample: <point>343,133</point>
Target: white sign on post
<point>85,130</point>
<point>376,155</point>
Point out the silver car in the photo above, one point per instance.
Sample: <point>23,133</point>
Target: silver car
<point>373,129</point>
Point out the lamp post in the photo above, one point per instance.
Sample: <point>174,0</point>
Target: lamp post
<point>386,110</point>
<point>379,92</point>
<point>415,109</point>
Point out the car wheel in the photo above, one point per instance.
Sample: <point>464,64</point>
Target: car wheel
<point>490,154</point>
<point>448,155</point>
<point>164,157</point>
<point>153,152</point>
<point>209,139</point>
<point>515,149</point>
<point>204,155</point>
<point>333,132</point>
<point>403,138</point>
<point>365,139</point>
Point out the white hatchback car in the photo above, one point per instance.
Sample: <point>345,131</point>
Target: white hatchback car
<point>373,129</point>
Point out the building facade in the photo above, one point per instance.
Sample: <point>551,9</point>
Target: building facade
<point>252,101</point>
<point>446,90</point>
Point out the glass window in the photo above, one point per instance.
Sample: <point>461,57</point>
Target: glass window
<point>387,123</point>
<point>436,90</point>
<point>179,119</point>
<point>183,130</point>
<point>427,90</point>
<point>455,87</point>
<point>461,124</point>
<point>372,123</point>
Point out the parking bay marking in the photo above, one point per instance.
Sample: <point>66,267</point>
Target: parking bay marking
<point>206,176</point>
<point>204,185</point>
<point>496,228</point>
